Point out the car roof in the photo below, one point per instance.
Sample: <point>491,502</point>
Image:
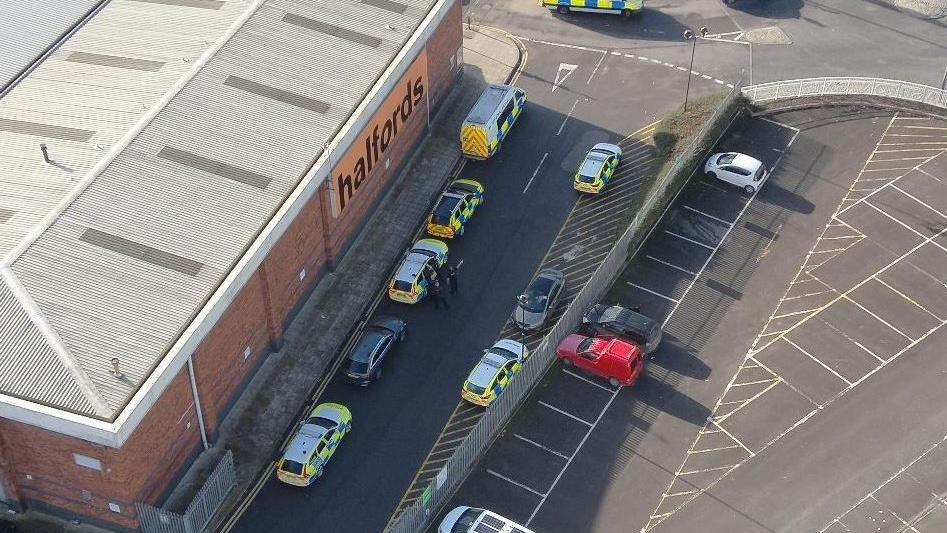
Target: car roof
<point>747,162</point>
<point>411,267</point>
<point>487,369</point>
<point>447,204</point>
<point>511,345</point>
<point>305,440</point>
<point>593,163</point>
<point>623,316</point>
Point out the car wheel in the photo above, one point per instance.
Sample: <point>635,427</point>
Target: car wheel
<point>567,362</point>
<point>627,13</point>
<point>711,174</point>
<point>563,10</point>
<point>749,189</point>
<point>614,382</point>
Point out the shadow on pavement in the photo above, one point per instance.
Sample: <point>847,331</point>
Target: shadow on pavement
<point>773,9</point>
<point>649,24</point>
<point>782,197</point>
<point>665,397</point>
<point>677,357</point>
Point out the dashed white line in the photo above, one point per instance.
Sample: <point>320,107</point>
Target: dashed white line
<point>675,267</point>
<point>658,294</point>
<point>530,182</point>
<point>516,483</point>
<point>568,116</point>
<point>722,221</point>
<point>698,243</point>
<point>564,413</point>
<point>587,380</point>
<point>540,446</point>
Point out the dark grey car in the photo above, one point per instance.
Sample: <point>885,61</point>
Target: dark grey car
<point>372,347</point>
<point>616,321</point>
<point>542,296</point>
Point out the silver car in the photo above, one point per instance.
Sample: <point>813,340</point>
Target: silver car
<point>542,295</point>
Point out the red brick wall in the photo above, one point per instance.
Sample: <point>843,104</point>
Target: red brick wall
<point>142,470</point>
<point>219,362</point>
<point>441,47</point>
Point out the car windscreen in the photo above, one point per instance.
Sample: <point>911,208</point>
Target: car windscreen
<point>537,294</point>
<point>444,210</point>
<point>324,423</point>
<point>292,467</point>
<point>504,352</point>
<point>367,344</point>
<point>585,345</point>
<point>726,159</point>
<point>466,520</point>
<point>759,174</point>
<point>474,388</point>
<point>400,285</point>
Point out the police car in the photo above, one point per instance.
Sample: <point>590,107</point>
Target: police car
<point>494,372</point>
<point>315,441</point>
<point>409,285</point>
<point>455,208</point>
<point>597,168</point>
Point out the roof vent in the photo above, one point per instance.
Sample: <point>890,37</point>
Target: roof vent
<point>115,371</point>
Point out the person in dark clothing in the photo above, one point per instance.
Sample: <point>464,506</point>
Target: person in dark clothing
<point>437,294</point>
<point>452,279</point>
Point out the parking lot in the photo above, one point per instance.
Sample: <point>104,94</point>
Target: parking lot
<point>580,455</point>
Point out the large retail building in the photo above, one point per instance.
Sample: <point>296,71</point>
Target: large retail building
<point>174,177</point>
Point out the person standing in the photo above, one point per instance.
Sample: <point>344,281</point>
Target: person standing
<point>437,294</point>
<point>452,279</point>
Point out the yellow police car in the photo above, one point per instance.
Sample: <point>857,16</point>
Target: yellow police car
<point>494,372</point>
<point>409,284</point>
<point>597,168</point>
<point>454,208</point>
<point>315,441</point>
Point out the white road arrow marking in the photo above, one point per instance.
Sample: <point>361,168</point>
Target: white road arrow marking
<point>560,77</point>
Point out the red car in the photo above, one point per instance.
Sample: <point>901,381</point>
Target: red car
<point>618,361</point>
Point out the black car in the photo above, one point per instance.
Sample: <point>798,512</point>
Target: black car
<point>616,321</point>
<point>371,348</point>
<point>541,297</point>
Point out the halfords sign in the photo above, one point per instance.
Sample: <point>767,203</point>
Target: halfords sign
<point>366,157</point>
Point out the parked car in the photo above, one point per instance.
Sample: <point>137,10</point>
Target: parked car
<point>616,321</point>
<point>370,350</point>
<point>738,169</point>
<point>597,168</point>
<point>494,372</point>
<point>465,519</point>
<point>455,208</point>
<point>617,360</point>
<point>542,295</point>
<point>314,444</point>
<point>409,284</point>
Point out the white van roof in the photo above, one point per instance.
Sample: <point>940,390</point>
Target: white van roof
<point>488,103</point>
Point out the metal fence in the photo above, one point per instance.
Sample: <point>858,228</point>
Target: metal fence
<point>205,503</point>
<point>814,87</point>
<point>417,517</point>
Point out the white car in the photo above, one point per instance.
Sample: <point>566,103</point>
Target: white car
<point>473,520</point>
<point>739,169</point>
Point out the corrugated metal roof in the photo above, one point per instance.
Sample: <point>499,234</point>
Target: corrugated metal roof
<point>120,258</point>
<point>29,27</point>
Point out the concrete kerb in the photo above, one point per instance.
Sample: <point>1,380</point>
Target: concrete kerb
<point>328,349</point>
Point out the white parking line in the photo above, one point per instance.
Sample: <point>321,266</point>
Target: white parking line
<point>564,413</point>
<point>516,483</point>
<point>906,226</point>
<point>908,298</point>
<point>528,183</point>
<point>652,292</point>
<point>928,174</point>
<point>699,212</point>
<point>878,318</point>
<point>587,380</point>
<point>540,446</point>
<point>911,196</point>
<point>823,365</point>
<point>669,232</point>
<point>675,267</point>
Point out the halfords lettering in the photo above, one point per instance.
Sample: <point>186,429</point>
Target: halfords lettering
<point>377,142</point>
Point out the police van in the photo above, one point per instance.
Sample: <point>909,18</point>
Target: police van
<point>616,7</point>
<point>490,120</point>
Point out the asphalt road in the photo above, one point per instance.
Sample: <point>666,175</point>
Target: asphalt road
<point>805,387</point>
<point>397,419</point>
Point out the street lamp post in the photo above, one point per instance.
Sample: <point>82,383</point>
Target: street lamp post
<point>689,35</point>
